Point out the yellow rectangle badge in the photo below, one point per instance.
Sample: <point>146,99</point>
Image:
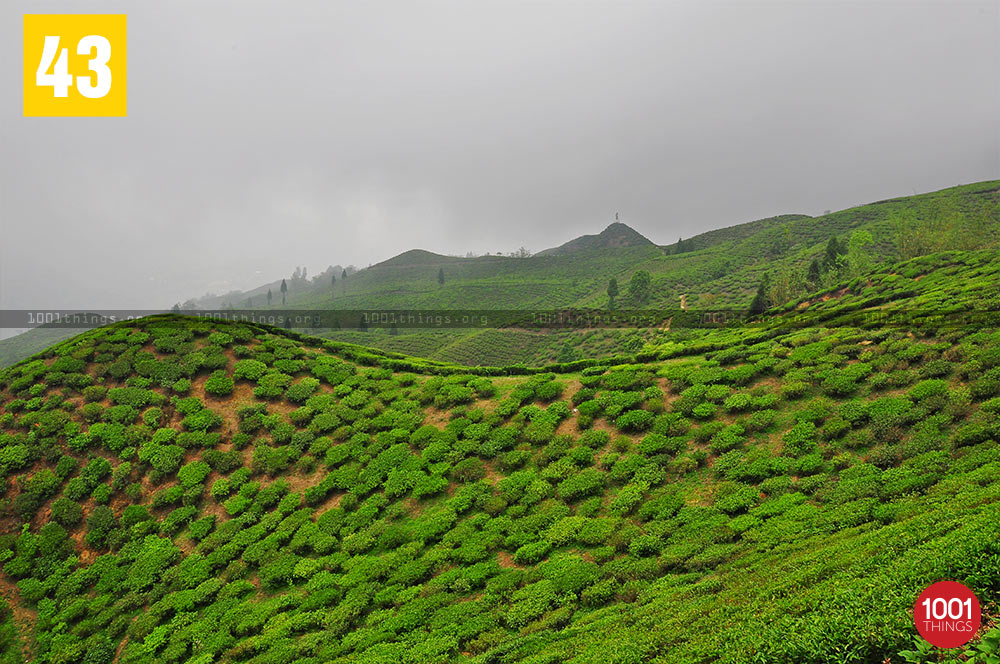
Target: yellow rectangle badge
<point>75,65</point>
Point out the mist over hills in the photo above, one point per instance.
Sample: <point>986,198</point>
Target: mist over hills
<point>627,369</point>
<point>719,269</point>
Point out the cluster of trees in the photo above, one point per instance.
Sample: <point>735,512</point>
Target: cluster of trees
<point>841,261</point>
<point>941,225</point>
<point>299,278</point>
<point>521,252</point>
<point>682,246</point>
<point>639,289</point>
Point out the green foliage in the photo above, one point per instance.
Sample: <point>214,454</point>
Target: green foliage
<point>635,420</point>
<point>639,287</point>
<point>302,390</point>
<point>67,512</point>
<point>800,439</point>
<point>193,473</point>
<point>219,384</point>
<point>588,481</point>
<point>249,369</point>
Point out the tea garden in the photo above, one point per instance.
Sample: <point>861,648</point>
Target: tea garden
<point>182,490</point>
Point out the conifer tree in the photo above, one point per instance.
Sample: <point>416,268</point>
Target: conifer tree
<point>834,251</point>
<point>761,301</point>
<point>612,292</point>
<point>813,276</point>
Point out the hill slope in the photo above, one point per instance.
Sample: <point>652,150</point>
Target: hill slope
<point>192,491</point>
<point>716,269</point>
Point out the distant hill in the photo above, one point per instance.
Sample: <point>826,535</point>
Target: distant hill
<point>16,348</point>
<point>719,269</point>
<point>416,257</point>
<point>615,235</point>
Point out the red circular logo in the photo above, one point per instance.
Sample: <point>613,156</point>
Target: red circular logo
<point>947,614</point>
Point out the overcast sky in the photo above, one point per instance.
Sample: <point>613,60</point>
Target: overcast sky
<point>265,135</point>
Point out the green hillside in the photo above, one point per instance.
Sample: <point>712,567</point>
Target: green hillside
<point>716,270</point>
<point>184,491</point>
<point>16,348</point>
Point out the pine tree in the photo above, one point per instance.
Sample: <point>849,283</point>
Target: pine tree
<point>441,276</point>
<point>284,289</point>
<point>813,277</point>
<point>269,297</point>
<point>761,301</point>
<point>612,292</point>
<point>568,353</point>
<point>834,251</point>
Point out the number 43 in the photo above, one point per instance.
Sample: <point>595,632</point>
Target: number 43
<point>60,79</point>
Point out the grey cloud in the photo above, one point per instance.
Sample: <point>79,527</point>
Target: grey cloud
<point>265,135</point>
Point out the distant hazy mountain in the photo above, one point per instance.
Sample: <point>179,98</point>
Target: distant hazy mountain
<point>615,235</point>
<point>416,257</point>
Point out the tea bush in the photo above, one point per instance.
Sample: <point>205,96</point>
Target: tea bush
<point>219,384</point>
